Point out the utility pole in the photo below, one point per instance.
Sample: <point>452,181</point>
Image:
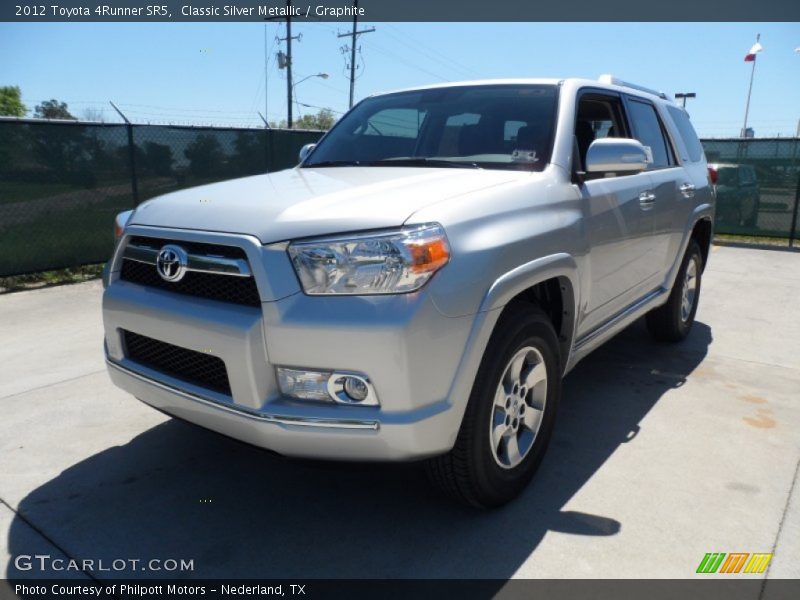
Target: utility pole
<point>354,35</point>
<point>287,62</point>
<point>288,68</point>
<point>266,75</point>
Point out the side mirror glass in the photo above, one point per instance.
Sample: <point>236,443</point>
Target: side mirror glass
<point>616,155</point>
<point>306,150</point>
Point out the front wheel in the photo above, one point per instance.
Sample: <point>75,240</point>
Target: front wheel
<point>510,413</point>
<point>673,321</point>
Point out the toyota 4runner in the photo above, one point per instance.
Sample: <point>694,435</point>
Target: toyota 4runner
<point>417,287</point>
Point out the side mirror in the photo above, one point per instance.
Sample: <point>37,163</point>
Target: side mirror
<point>616,155</point>
<point>306,150</point>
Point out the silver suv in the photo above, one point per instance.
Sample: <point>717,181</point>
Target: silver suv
<point>417,287</point>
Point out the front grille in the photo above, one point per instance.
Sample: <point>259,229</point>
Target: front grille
<point>225,288</point>
<point>190,247</point>
<point>193,367</point>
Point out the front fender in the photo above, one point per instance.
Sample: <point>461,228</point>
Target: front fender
<point>559,266</point>
<point>519,279</point>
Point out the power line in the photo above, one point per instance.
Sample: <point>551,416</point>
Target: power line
<point>433,54</point>
<point>404,61</point>
<point>338,112</point>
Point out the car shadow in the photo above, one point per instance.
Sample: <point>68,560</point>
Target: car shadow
<point>181,492</point>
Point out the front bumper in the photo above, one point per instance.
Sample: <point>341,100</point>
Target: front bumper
<point>291,435</point>
<point>409,350</point>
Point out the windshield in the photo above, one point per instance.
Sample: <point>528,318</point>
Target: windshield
<point>487,126</point>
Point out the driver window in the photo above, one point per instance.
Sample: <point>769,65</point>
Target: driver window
<point>598,117</point>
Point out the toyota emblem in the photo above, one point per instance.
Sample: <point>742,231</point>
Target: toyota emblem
<point>172,262</point>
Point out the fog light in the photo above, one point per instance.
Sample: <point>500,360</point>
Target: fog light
<point>356,388</point>
<point>305,385</point>
<point>352,388</point>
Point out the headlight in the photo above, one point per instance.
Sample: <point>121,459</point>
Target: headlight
<point>378,263</point>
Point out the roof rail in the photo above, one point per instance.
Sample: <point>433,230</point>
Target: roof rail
<point>611,80</point>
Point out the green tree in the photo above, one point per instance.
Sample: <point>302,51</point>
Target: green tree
<point>11,102</point>
<point>53,109</point>
<point>323,120</point>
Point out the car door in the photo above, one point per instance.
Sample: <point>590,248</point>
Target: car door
<point>694,187</point>
<point>619,217</point>
<point>669,182</point>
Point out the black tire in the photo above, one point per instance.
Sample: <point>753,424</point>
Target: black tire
<point>667,323</point>
<point>470,473</point>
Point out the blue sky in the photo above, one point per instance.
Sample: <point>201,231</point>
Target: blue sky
<point>204,73</point>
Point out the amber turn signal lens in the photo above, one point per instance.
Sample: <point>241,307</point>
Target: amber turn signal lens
<point>120,221</point>
<point>429,255</point>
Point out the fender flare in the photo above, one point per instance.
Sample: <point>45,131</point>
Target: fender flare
<point>702,212</point>
<point>510,284</point>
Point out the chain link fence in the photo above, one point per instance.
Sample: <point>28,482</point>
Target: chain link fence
<point>62,182</point>
<point>758,186</point>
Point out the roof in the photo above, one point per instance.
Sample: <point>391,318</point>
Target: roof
<point>604,81</point>
<point>476,82</point>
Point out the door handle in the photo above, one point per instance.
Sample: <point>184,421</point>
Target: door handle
<point>687,189</point>
<point>647,200</point>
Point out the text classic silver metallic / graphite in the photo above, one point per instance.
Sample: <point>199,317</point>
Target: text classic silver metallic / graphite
<point>417,287</point>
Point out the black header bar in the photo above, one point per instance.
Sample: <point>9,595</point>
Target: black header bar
<point>399,10</point>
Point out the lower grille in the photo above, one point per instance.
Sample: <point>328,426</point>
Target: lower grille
<point>193,367</point>
<point>235,290</point>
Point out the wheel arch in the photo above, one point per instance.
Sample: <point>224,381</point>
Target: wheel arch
<point>551,283</point>
<point>702,233</point>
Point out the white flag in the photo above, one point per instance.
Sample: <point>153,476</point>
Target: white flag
<point>751,56</point>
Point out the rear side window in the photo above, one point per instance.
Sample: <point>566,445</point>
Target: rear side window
<point>648,131</point>
<point>687,133</point>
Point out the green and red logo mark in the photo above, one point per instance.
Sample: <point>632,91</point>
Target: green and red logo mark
<point>735,562</point>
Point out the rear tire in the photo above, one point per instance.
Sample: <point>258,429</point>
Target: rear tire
<point>509,416</point>
<point>673,321</point>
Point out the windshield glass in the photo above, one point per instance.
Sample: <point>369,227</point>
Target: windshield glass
<point>487,126</point>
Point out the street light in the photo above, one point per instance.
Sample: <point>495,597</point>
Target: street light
<point>684,96</point>
<point>296,83</point>
<point>320,75</point>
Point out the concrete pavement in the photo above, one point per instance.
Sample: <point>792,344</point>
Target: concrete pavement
<point>661,454</point>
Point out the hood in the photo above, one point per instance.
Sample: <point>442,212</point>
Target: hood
<point>307,202</point>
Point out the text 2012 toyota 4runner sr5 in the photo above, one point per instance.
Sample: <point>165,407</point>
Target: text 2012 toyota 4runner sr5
<point>417,287</point>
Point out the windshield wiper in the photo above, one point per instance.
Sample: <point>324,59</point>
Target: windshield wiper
<point>422,161</point>
<point>335,163</point>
